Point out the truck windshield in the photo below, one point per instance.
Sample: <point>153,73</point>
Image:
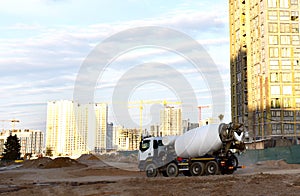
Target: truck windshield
<point>145,145</point>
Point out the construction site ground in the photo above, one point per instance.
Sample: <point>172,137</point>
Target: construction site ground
<point>91,175</point>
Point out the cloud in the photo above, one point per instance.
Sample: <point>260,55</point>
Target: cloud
<point>42,53</point>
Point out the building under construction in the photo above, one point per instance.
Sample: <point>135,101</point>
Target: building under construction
<point>265,67</point>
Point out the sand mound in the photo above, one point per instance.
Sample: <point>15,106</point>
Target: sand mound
<point>62,162</point>
<point>36,163</point>
<point>88,157</point>
<point>46,163</point>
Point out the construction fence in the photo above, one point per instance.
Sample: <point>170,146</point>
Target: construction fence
<point>290,154</point>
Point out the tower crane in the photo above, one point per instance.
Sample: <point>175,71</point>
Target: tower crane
<point>13,121</point>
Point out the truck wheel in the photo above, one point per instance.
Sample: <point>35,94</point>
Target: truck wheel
<point>172,170</point>
<point>151,170</point>
<point>234,161</point>
<point>197,169</point>
<point>211,168</point>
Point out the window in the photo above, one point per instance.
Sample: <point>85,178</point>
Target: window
<point>296,64</point>
<point>273,52</point>
<point>239,77</point>
<point>272,15</point>
<point>284,15</point>
<point>274,64</point>
<point>275,90</point>
<point>276,129</point>
<point>273,39</point>
<point>297,101</point>
<point>284,28</point>
<point>286,64</point>
<point>286,77</point>
<point>287,90</point>
<point>297,76</point>
<point>275,113</point>
<point>275,103</point>
<point>144,145</point>
<point>157,143</point>
<point>295,28</point>
<point>272,3</point>
<point>285,39</point>
<point>294,15</point>
<point>295,40</point>
<point>294,2</point>
<point>288,128</point>
<point>297,90</point>
<point>297,128</point>
<point>273,28</point>
<point>285,52</point>
<point>287,102</point>
<point>274,77</point>
<point>284,3</point>
<point>288,113</point>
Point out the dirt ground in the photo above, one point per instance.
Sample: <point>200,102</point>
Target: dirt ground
<point>90,175</point>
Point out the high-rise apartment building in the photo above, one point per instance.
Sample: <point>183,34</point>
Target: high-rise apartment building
<point>154,130</point>
<point>128,139</point>
<point>110,137</point>
<point>31,141</point>
<point>74,128</point>
<point>170,121</point>
<point>265,67</point>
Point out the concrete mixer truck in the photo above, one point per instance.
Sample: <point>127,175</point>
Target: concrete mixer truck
<point>206,150</point>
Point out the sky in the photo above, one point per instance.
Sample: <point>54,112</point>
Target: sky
<point>45,43</point>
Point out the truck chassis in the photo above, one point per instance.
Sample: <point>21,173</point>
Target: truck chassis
<point>199,166</point>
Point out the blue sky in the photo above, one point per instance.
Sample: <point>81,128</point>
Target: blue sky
<point>43,44</point>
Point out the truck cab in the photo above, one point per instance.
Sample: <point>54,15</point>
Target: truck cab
<point>151,148</point>
<point>154,156</point>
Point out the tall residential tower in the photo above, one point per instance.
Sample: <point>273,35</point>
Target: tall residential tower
<point>73,129</point>
<point>170,121</point>
<point>265,67</point>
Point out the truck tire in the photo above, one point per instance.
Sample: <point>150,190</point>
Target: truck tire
<point>211,168</point>
<point>197,169</point>
<point>172,170</point>
<point>151,170</point>
<point>232,161</point>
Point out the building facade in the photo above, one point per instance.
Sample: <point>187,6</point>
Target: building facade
<point>128,139</point>
<point>74,129</point>
<point>170,121</point>
<point>187,125</point>
<point>154,130</point>
<point>264,66</point>
<point>31,141</point>
<point>110,137</point>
